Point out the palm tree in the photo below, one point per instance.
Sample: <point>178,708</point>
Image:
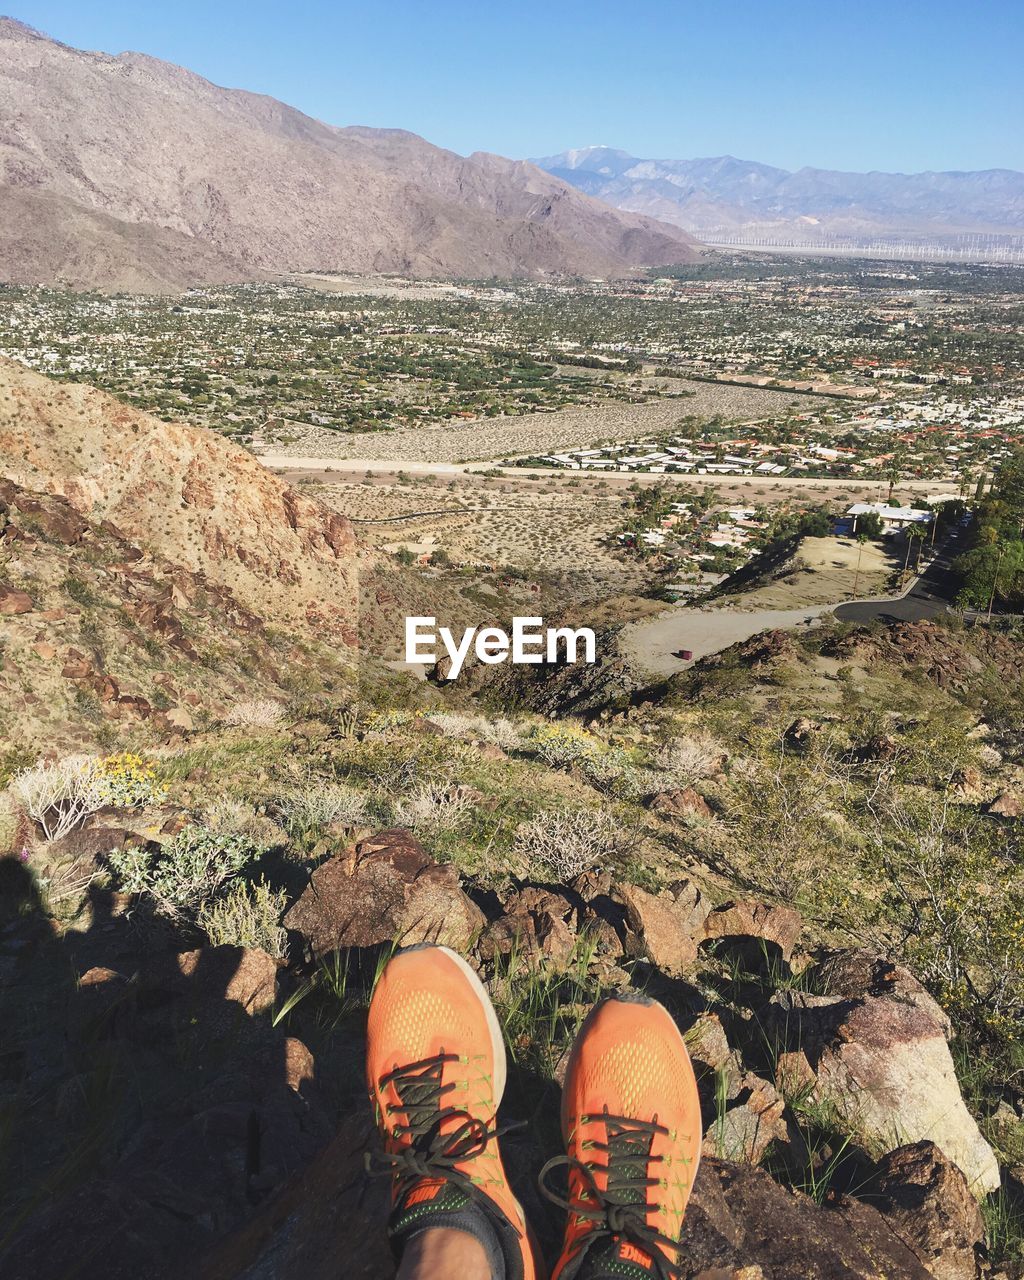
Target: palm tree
<point>914,534</point>
<point>861,540</point>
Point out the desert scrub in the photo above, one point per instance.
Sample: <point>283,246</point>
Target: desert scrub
<point>500,733</point>
<point>311,808</point>
<point>690,758</point>
<point>435,807</point>
<point>126,781</point>
<point>570,841</point>
<point>955,901</point>
<point>561,745</point>
<point>58,794</point>
<point>184,873</point>
<point>261,713</point>
<point>246,915</point>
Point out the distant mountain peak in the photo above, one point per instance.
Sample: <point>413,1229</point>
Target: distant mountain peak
<point>723,195</point>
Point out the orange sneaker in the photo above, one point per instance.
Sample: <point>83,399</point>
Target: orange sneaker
<point>435,1067</point>
<point>632,1127</point>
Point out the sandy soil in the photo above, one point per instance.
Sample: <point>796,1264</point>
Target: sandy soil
<point>823,571</point>
<point>485,439</point>
<point>545,526</point>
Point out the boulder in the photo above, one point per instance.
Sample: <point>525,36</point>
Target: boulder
<point>684,802</point>
<point>857,972</point>
<point>245,975</point>
<point>707,1042</point>
<point>664,928</point>
<point>384,889</point>
<point>741,1223</point>
<point>12,601</point>
<point>771,922</point>
<point>1006,805</point>
<point>750,1123</point>
<point>801,731</point>
<point>882,1063</point>
<point>538,925</point>
<point>927,1202</point>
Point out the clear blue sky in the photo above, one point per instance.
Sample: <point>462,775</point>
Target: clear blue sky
<point>905,84</point>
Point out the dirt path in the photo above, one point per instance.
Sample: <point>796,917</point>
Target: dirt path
<point>653,644</point>
<point>733,489</point>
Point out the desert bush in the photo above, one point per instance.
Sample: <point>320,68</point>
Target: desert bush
<point>314,806</point>
<point>228,817</point>
<point>58,794</point>
<point>246,915</point>
<point>184,873</point>
<point>562,745</point>
<point>434,806</point>
<point>955,905</point>
<point>126,781</point>
<point>687,760</point>
<point>502,733</point>
<point>259,713</point>
<point>569,841</point>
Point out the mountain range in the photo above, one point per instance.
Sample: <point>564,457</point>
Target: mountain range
<point>128,172</point>
<point>726,196</point>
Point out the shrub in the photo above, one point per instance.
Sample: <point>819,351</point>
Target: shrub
<point>256,714</point>
<point>58,794</point>
<point>318,805</point>
<point>246,915</point>
<point>568,841</point>
<point>434,806</point>
<point>687,760</point>
<point>185,872</point>
<point>563,745</point>
<point>502,733</point>
<point>126,781</point>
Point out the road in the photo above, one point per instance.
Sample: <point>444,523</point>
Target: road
<point>655,642</point>
<point>294,468</point>
<point>929,596</point>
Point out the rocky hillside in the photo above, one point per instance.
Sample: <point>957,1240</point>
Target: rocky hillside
<point>186,495</point>
<point>104,640</point>
<point>187,967</point>
<point>93,147</point>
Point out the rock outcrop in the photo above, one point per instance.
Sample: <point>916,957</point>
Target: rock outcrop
<point>384,889</point>
<point>877,1045</point>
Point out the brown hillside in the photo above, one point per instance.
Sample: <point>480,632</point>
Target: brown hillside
<point>252,185</point>
<point>105,642</point>
<point>187,495</point>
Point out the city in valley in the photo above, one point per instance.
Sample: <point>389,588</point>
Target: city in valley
<point>622,444</point>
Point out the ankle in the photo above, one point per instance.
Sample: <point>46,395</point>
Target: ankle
<point>444,1253</point>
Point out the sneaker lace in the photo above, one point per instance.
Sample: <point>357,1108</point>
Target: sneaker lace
<point>622,1208</point>
<point>435,1149</point>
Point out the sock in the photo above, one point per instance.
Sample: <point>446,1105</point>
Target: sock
<point>428,1205</point>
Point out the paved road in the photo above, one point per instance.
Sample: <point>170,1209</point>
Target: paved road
<point>930,595</point>
<point>655,643</point>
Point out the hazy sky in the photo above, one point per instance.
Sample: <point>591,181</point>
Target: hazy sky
<point>906,84</point>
